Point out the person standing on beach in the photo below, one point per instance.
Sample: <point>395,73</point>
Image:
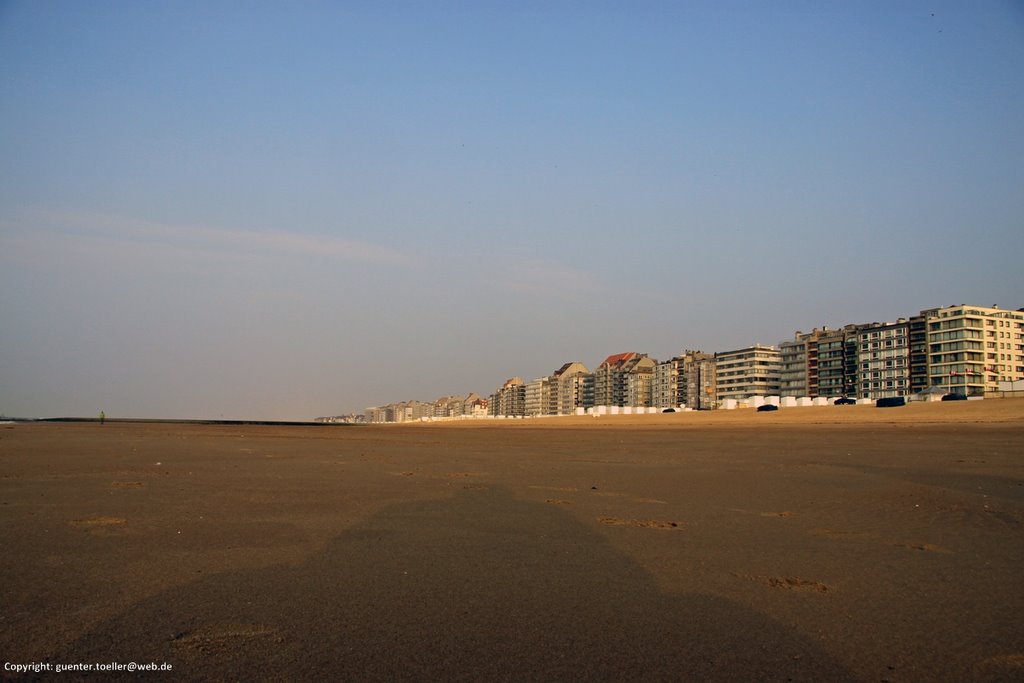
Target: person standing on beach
<point>103,416</point>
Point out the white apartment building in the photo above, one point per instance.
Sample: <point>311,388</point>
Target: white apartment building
<point>752,371</point>
<point>793,367</point>
<point>540,397</point>
<point>971,349</point>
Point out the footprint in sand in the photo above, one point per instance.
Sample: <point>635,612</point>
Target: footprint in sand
<point>841,533</point>
<point>796,583</point>
<point>1000,666</point>
<point>642,523</point>
<point>787,582</point>
<point>784,513</point>
<point>214,637</point>
<point>865,536</point>
<point>98,521</point>
<point>101,525</point>
<point>926,547</point>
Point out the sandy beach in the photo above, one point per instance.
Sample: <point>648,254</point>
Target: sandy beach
<point>809,544</point>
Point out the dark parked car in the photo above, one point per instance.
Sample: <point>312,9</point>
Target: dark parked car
<point>890,402</point>
<point>766,408</point>
<point>844,401</point>
<point>669,410</point>
<point>955,397</point>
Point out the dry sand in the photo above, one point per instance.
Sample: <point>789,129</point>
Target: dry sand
<point>833,543</point>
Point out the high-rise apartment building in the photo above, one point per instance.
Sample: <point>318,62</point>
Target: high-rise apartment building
<point>793,367</point>
<point>699,369</point>
<point>752,371</point>
<point>973,348</point>
<point>837,362</point>
<point>540,397</point>
<point>798,375</point>
<point>918,351</point>
<point>573,388</point>
<point>882,359</point>
<point>510,399</point>
<point>668,387</point>
<point>449,406</point>
<point>624,379</point>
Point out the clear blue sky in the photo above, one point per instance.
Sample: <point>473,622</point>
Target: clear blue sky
<point>292,209</point>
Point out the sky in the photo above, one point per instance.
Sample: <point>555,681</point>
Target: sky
<point>284,210</point>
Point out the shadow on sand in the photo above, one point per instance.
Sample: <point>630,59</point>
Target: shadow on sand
<point>479,586</point>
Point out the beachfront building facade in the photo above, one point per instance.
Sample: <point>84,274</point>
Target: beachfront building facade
<point>668,388</point>
<point>882,359</point>
<point>446,407</point>
<point>474,406</point>
<point>639,383</point>
<point>375,414</point>
<point>965,349</point>
<point>449,407</point>
<point>573,387</point>
<point>405,411</point>
<point>701,390</point>
<point>540,397</point>
<point>510,399</point>
<point>971,349</point>
<point>793,373</point>
<point>798,374</point>
<point>624,379</point>
<point>567,389</point>
<point>918,353</point>
<point>744,373</point>
<point>837,362</point>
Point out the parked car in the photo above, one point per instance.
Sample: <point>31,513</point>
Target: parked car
<point>669,410</point>
<point>891,402</point>
<point>955,397</point>
<point>766,408</point>
<point>845,401</point>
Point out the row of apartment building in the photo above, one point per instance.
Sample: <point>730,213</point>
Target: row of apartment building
<point>956,349</point>
<point>472,405</point>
